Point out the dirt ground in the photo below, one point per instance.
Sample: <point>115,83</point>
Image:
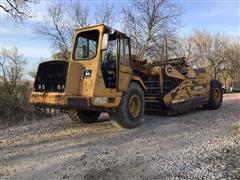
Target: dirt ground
<point>204,144</point>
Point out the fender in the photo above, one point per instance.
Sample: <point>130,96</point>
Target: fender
<point>139,81</point>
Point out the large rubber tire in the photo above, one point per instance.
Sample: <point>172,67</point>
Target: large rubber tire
<point>84,116</point>
<point>215,95</point>
<point>123,115</point>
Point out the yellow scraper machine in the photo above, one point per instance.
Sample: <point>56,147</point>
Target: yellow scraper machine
<point>102,75</point>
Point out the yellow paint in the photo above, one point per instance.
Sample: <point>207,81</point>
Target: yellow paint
<point>94,87</point>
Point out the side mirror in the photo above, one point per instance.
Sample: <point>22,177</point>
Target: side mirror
<point>105,41</point>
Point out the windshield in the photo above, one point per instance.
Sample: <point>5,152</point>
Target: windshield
<point>86,45</point>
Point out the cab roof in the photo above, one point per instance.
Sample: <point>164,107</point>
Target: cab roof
<point>105,26</point>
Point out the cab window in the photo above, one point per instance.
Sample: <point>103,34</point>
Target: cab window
<point>86,45</point>
<point>124,51</point>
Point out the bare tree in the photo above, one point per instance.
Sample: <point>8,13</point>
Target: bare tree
<point>185,47</point>
<point>14,89</point>
<point>59,24</point>
<point>216,52</point>
<point>14,92</point>
<point>231,69</point>
<point>11,68</point>
<point>150,23</point>
<point>104,14</point>
<point>210,51</point>
<point>79,16</point>
<point>18,9</point>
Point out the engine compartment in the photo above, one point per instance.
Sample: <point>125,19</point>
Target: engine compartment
<point>51,76</point>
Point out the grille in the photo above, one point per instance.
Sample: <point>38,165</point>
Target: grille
<point>51,76</point>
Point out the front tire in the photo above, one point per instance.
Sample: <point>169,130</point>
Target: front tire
<point>215,95</point>
<point>129,113</point>
<point>83,116</point>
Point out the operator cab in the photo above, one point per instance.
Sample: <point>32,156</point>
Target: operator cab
<point>111,49</point>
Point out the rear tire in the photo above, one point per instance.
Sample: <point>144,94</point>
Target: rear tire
<point>84,116</point>
<point>129,113</point>
<point>215,95</point>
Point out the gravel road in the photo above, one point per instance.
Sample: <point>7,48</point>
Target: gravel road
<point>204,144</point>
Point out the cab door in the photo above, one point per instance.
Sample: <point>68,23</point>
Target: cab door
<point>124,68</point>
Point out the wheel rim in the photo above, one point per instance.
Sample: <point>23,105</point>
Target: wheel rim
<point>134,106</point>
<point>217,95</point>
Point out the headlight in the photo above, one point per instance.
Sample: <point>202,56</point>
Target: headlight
<point>39,86</point>
<point>59,87</point>
<point>43,86</point>
<point>63,87</point>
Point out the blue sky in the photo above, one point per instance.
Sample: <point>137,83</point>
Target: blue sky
<point>213,15</point>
